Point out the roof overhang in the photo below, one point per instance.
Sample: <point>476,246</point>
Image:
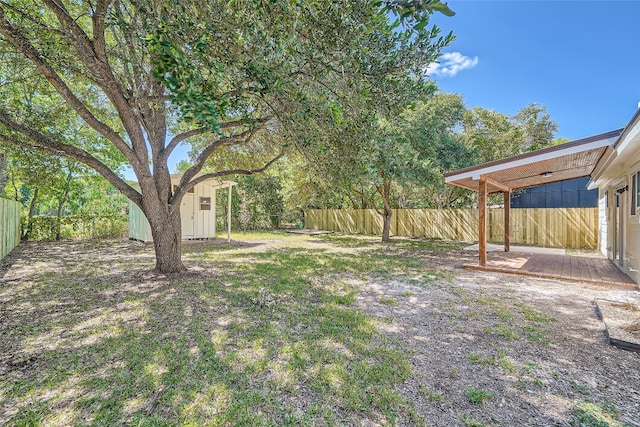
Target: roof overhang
<point>574,159</point>
<point>620,158</point>
<point>211,182</point>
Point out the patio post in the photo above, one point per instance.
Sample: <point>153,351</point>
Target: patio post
<point>507,225</point>
<point>482,221</point>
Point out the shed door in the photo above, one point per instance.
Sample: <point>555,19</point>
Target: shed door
<point>204,223</point>
<point>187,216</point>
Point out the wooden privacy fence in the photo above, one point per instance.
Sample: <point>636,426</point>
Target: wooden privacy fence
<point>554,227</point>
<point>9,226</point>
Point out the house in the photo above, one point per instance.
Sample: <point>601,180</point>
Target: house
<point>197,212</point>
<point>617,178</point>
<point>611,160</point>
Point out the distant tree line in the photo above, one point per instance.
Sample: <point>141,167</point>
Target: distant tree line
<point>402,168</point>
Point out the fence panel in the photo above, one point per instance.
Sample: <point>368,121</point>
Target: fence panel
<point>9,226</point>
<point>556,227</point>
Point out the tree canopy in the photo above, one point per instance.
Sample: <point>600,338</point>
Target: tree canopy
<point>143,77</point>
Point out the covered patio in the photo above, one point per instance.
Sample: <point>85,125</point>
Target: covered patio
<point>553,263</point>
<point>572,160</point>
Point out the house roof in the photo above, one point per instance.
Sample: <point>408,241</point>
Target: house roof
<point>575,159</point>
<point>623,156</point>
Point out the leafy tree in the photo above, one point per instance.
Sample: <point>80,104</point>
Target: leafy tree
<point>433,129</point>
<point>412,149</point>
<point>495,135</point>
<point>147,76</point>
<point>261,202</point>
<point>28,173</point>
<point>560,140</point>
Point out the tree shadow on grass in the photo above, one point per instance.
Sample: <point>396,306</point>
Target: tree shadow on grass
<point>258,343</point>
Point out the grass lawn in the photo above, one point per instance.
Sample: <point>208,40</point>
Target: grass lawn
<point>270,329</point>
<point>253,334</point>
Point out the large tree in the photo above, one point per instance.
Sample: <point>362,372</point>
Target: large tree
<point>146,76</point>
<point>433,129</point>
<point>495,135</point>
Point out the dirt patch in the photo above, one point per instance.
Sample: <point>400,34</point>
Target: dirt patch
<point>536,347</point>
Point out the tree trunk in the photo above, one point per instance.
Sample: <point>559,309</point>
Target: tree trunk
<point>32,207</point>
<point>61,202</point>
<point>3,172</point>
<point>386,225</point>
<point>385,192</point>
<point>166,230</point>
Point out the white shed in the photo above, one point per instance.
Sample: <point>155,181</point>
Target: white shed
<point>197,212</point>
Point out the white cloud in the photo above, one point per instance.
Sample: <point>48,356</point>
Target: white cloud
<point>450,64</point>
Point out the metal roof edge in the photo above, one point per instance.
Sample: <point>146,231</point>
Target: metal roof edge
<point>566,146</point>
<point>628,127</point>
<point>609,157</point>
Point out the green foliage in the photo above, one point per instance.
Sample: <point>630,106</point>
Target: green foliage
<point>591,414</point>
<point>477,396</point>
<point>432,127</point>
<point>410,152</point>
<point>78,227</point>
<point>260,203</point>
<point>494,135</point>
<point>112,82</point>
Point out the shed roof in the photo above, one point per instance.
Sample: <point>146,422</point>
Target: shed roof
<point>575,159</point>
<point>212,182</point>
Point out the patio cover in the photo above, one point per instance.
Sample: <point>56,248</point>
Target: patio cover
<point>574,159</point>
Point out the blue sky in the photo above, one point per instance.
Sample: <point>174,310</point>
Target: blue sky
<point>580,59</point>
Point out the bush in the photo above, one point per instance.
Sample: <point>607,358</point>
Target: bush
<point>78,227</point>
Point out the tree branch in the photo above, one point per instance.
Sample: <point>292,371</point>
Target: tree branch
<point>48,145</point>
<point>23,45</point>
<point>178,139</point>
<point>184,187</point>
<point>208,151</point>
<point>103,75</point>
<point>200,131</point>
<point>32,19</point>
<point>99,43</point>
<point>369,200</point>
<point>236,123</point>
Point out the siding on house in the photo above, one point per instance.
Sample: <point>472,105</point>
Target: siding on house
<point>604,242</point>
<point>139,228</point>
<point>197,212</point>
<point>614,176</point>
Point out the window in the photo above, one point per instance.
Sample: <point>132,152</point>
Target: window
<point>637,182</point>
<point>205,203</point>
<point>635,193</point>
